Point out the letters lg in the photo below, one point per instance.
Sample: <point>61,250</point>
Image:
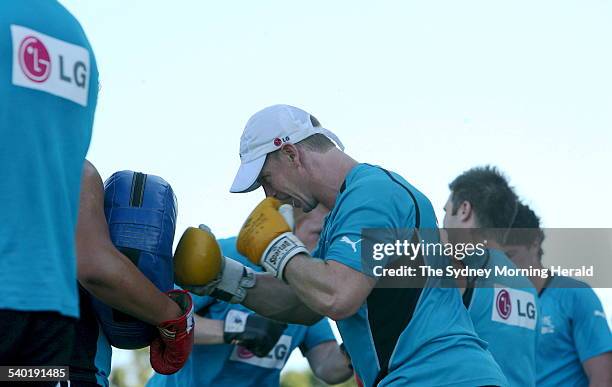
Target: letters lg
<point>78,73</point>
<point>528,311</point>
<point>278,352</point>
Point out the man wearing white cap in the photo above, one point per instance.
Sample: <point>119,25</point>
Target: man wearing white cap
<point>395,336</point>
<point>266,132</point>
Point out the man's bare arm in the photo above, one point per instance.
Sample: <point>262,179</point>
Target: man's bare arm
<point>316,288</point>
<point>208,331</point>
<point>276,300</point>
<point>104,271</point>
<point>328,287</point>
<point>598,369</point>
<point>329,363</point>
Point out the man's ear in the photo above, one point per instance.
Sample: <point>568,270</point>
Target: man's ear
<point>465,211</point>
<point>290,151</point>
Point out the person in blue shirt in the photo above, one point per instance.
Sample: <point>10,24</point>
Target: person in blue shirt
<point>574,340</point>
<point>217,362</point>
<point>418,336</point>
<point>214,362</point>
<point>46,119</point>
<point>482,206</point>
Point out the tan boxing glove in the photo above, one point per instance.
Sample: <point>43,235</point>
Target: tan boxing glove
<point>201,268</point>
<point>267,238</point>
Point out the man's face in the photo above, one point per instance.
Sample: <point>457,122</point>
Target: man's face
<point>451,220</point>
<point>456,224</point>
<point>281,177</point>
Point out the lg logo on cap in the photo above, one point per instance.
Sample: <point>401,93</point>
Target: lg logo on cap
<point>34,59</point>
<point>278,141</point>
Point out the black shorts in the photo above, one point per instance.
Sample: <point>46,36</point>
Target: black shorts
<point>83,359</point>
<point>35,339</point>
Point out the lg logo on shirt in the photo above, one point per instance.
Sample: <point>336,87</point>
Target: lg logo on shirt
<point>34,59</point>
<point>50,65</point>
<point>514,307</point>
<point>275,359</point>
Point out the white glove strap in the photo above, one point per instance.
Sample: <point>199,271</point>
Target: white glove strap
<point>235,321</point>
<point>280,251</point>
<point>235,278</point>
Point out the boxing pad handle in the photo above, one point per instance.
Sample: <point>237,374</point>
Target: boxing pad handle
<point>137,192</point>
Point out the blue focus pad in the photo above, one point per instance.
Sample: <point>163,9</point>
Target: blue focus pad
<point>141,213</point>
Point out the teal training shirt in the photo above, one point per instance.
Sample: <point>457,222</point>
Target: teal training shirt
<point>402,336</point>
<point>48,95</point>
<point>504,311</point>
<point>573,329</point>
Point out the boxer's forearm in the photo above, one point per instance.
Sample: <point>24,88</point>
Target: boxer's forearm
<point>208,331</point>
<point>327,287</point>
<point>274,299</point>
<point>329,363</point>
<point>313,282</point>
<point>114,280</point>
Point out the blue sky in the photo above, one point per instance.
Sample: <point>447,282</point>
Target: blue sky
<point>426,88</point>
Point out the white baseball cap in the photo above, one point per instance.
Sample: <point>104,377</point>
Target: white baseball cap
<point>265,132</point>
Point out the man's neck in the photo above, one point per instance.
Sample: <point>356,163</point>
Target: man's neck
<point>331,171</point>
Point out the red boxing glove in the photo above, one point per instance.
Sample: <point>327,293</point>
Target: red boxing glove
<point>170,350</point>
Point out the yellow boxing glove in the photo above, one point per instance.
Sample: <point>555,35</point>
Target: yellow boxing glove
<point>201,268</point>
<point>266,237</point>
